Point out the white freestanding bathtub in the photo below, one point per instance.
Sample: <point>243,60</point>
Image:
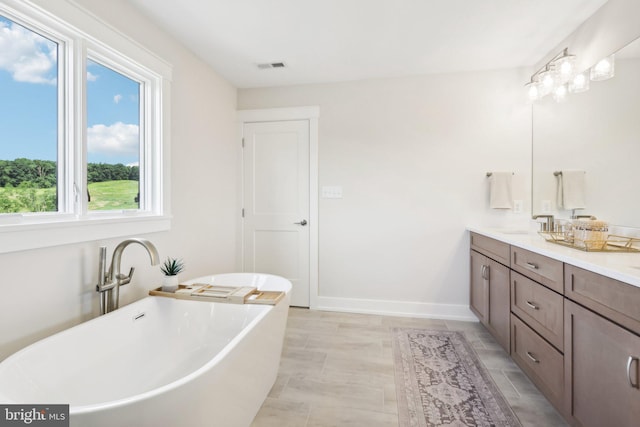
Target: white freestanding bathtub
<point>159,362</point>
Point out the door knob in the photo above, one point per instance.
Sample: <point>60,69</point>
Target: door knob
<point>302,223</point>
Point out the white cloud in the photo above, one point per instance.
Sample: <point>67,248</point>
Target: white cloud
<point>117,98</point>
<point>28,56</point>
<point>91,77</point>
<point>116,139</point>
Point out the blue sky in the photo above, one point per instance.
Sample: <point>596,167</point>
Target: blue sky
<point>28,103</point>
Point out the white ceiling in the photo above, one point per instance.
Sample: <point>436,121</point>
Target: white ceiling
<point>338,40</point>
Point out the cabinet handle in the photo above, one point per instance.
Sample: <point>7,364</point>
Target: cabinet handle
<point>533,306</point>
<point>485,272</point>
<point>532,358</point>
<point>532,266</point>
<point>629,363</point>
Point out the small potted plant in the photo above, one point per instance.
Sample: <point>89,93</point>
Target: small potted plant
<point>171,268</point>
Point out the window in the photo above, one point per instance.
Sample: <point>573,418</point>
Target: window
<point>81,122</point>
<point>113,139</point>
<point>28,120</point>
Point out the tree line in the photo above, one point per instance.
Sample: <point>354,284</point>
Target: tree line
<point>43,173</point>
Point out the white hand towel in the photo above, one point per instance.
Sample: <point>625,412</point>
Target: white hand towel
<point>571,190</point>
<point>500,196</point>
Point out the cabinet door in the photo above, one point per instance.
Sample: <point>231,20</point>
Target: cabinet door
<point>498,314</point>
<point>601,370</point>
<point>478,297</point>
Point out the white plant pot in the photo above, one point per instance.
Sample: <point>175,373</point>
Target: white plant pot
<point>170,283</point>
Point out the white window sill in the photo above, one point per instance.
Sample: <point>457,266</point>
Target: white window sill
<point>19,235</point>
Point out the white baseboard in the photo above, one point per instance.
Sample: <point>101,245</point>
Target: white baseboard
<point>396,308</point>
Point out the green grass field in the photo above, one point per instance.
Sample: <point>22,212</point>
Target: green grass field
<point>108,195</point>
<point>112,195</point>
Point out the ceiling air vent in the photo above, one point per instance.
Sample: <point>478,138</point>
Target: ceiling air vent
<point>269,65</point>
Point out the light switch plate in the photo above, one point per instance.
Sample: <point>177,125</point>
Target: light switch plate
<point>331,192</point>
<point>517,206</point>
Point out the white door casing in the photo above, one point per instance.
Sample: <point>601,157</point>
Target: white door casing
<point>277,220</point>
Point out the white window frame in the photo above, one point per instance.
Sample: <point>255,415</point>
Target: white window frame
<point>81,36</point>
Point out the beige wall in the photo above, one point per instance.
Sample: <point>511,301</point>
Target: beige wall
<point>50,289</point>
<point>411,155</point>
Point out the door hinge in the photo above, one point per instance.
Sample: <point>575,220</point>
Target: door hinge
<point>242,212</point>
<point>242,142</point>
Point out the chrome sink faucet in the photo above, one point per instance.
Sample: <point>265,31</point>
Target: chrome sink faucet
<point>548,226</point>
<point>109,282</point>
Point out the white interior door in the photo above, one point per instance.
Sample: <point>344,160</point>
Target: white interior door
<point>276,202</point>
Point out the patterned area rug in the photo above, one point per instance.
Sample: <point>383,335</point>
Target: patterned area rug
<point>441,382</point>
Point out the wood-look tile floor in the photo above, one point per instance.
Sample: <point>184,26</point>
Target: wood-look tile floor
<point>337,370</point>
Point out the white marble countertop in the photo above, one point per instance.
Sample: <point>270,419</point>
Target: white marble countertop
<point>620,266</point>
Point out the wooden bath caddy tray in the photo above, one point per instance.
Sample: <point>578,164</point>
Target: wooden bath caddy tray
<point>227,294</point>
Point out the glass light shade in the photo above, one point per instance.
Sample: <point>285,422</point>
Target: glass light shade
<point>560,93</point>
<point>533,91</point>
<point>579,83</point>
<point>565,67</point>
<point>547,81</point>
<point>604,69</point>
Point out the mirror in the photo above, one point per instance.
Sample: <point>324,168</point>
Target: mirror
<point>598,132</point>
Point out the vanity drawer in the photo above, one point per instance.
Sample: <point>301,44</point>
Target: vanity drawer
<point>618,301</point>
<point>492,248</point>
<point>539,360</point>
<point>538,267</point>
<point>541,308</point>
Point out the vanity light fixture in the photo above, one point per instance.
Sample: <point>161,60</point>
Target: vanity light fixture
<point>558,77</point>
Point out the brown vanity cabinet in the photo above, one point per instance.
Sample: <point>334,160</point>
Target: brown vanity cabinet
<point>489,290</point>
<point>575,333</point>
<point>602,372</point>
